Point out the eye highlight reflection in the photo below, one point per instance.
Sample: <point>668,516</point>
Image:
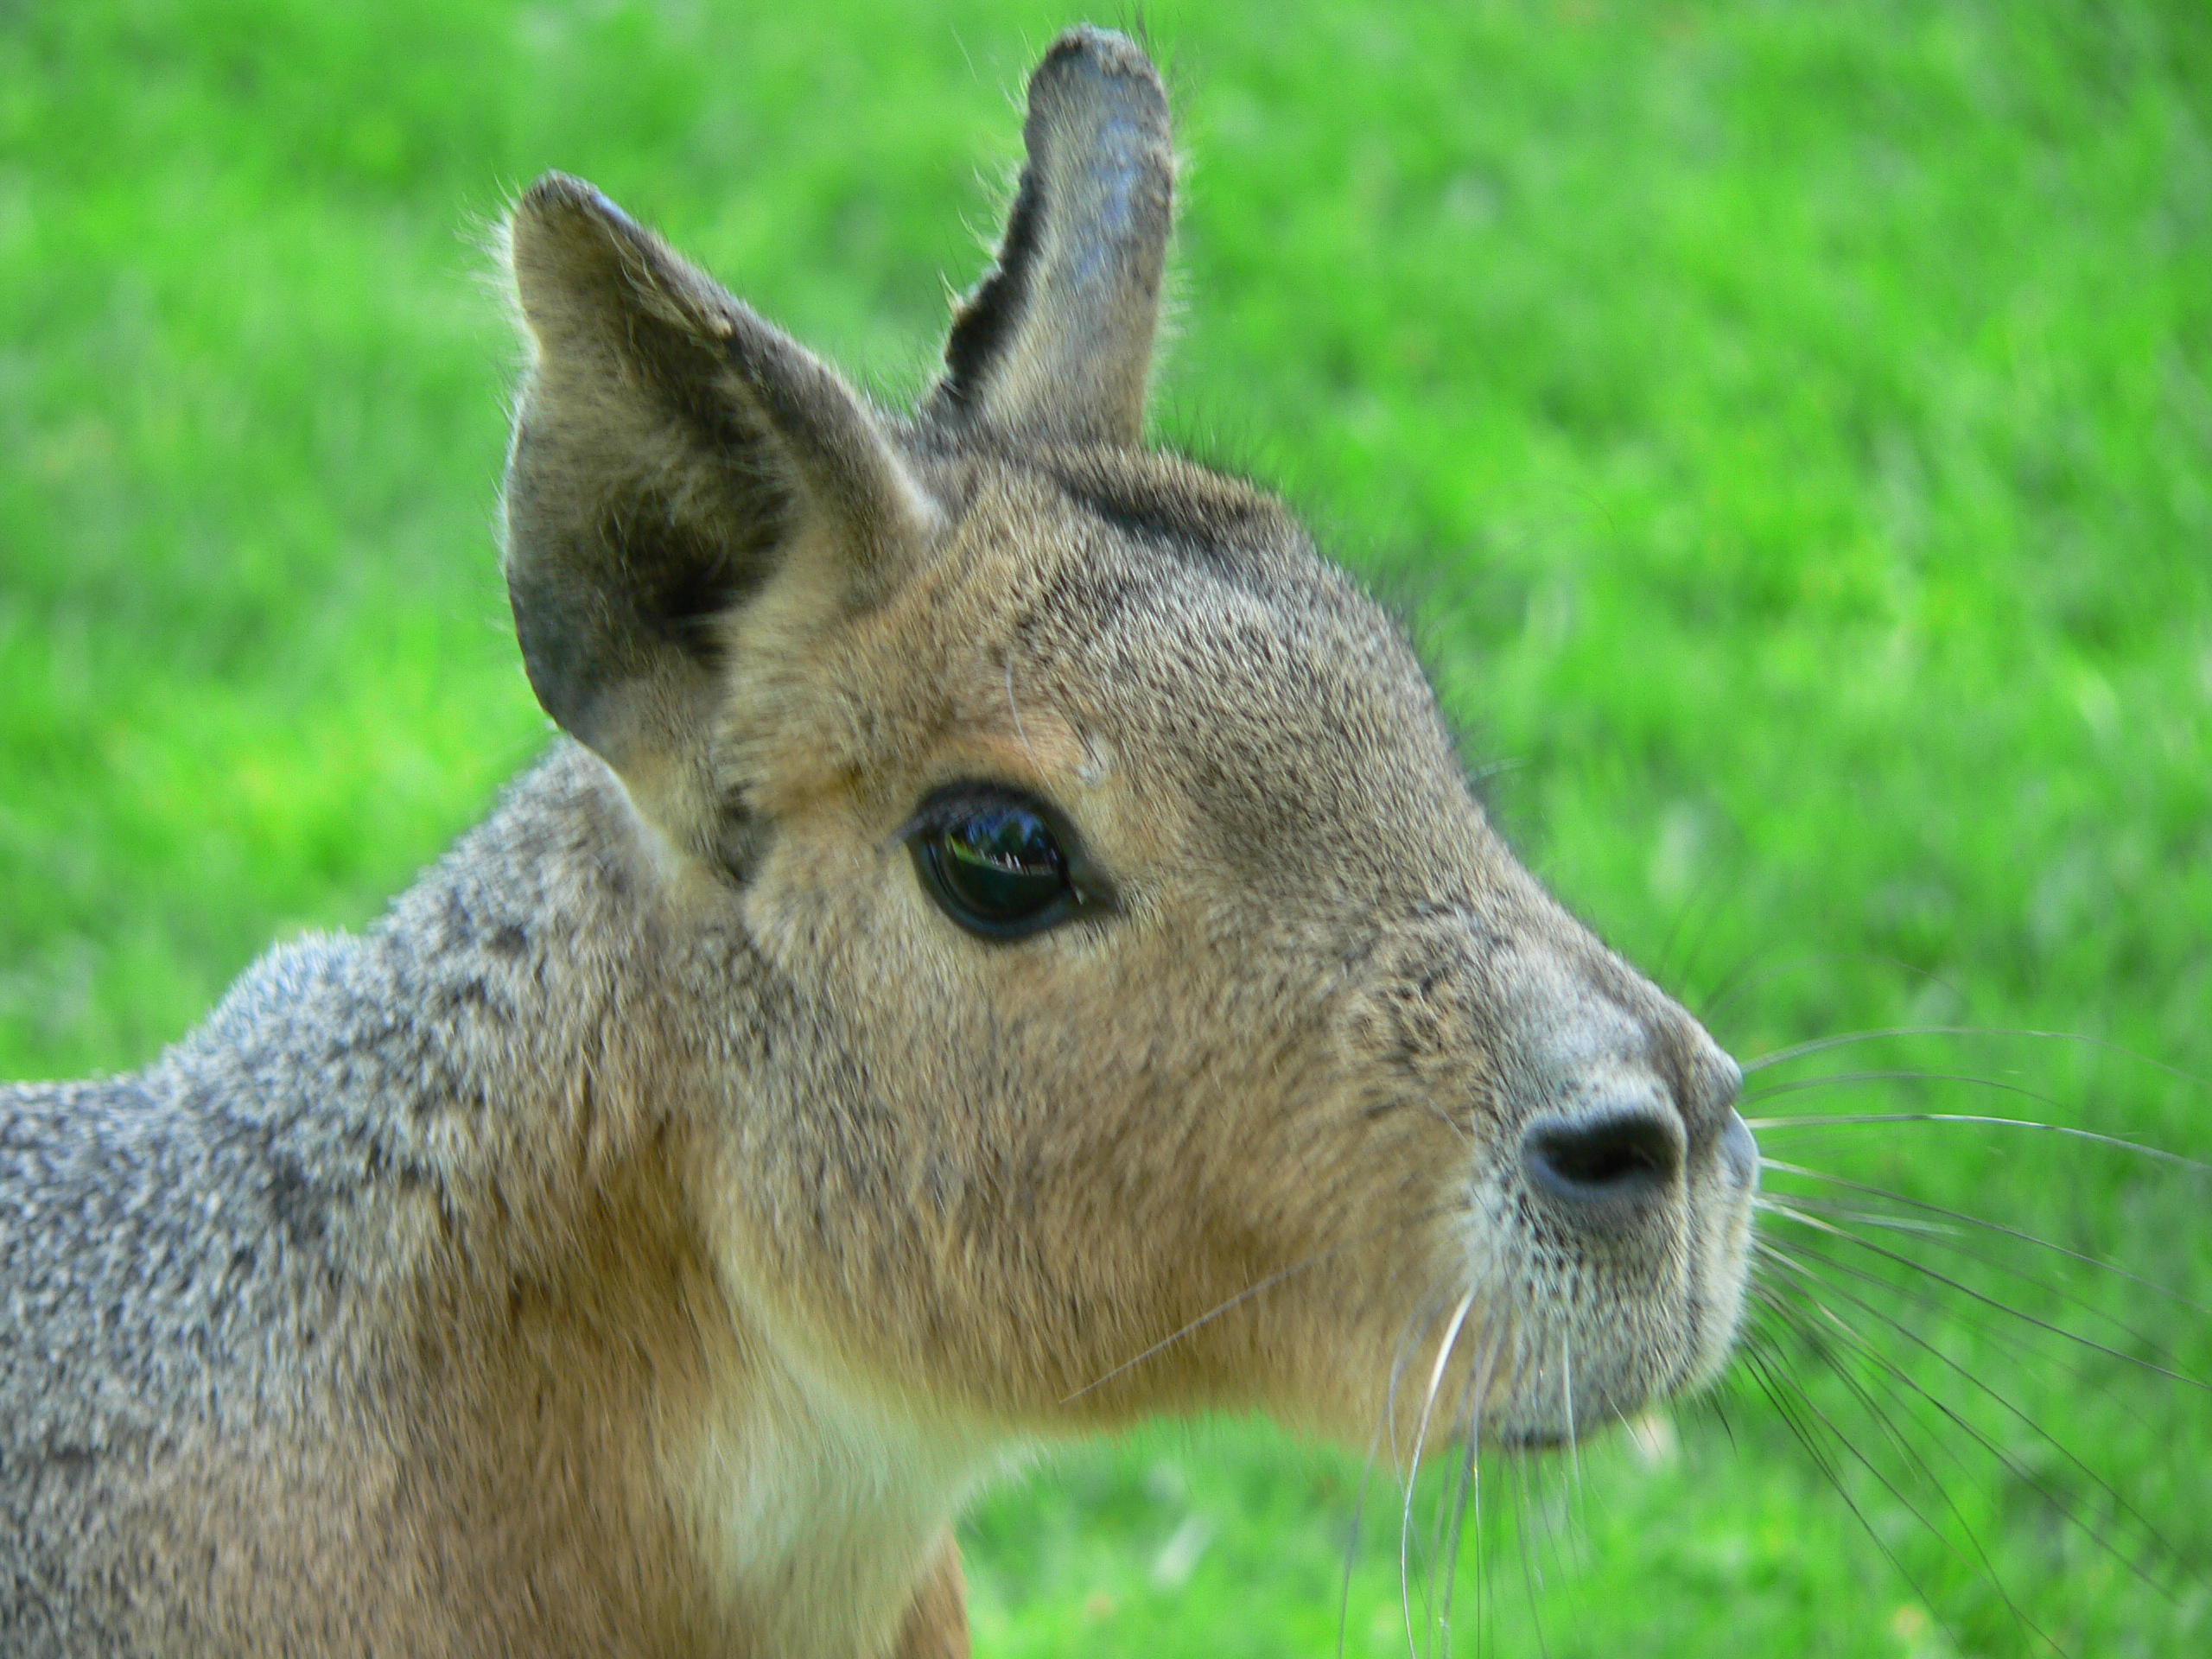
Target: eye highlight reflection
<point>997,861</point>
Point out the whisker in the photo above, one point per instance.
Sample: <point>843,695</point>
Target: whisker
<point>1979,1385</point>
<point>1772,1386</point>
<point>1570,1531</point>
<point>1698,909</point>
<point>1898,1438</point>
<point>2008,1340</point>
<point>1420,1437</point>
<point>1935,1231</point>
<point>1896,1074</point>
<point>1768,1295</point>
<point>1478,1390</point>
<point>1971,1220</point>
<point>1711,1401</point>
<point>1442,1531</point>
<point>1764,1374</point>
<point>1993,1331</point>
<point>1251,1290</point>
<point>1798,1204</point>
<point>2011,1465</point>
<point>1844,1040</point>
<point>1352,1540</point>
<point>1532,1578</point>
<point>1964,1289</point>
<point>1735,985</point>
<point>1385,1419</point>
<point>1891,1487</point>
<point>1887,1424</point>
<point>1847,1120</point>
<point>1566,1403</point>
<point>1514,1380</point>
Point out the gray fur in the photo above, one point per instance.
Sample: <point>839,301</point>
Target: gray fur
<point>188,1250</point>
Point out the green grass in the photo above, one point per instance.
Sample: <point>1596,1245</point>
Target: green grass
<point>1789,425</point>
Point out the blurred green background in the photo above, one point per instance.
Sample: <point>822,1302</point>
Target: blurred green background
<point>1787,426</point>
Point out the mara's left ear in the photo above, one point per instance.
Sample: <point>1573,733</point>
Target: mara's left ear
<point>1054,344</point>
<point>673,456</point>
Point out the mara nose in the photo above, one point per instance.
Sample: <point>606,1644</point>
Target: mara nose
<point>1715,1083</point>
<point>1604,1166</point>
<point>1741,1151</point>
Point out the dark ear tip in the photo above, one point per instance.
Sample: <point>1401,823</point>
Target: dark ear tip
<point>1097,51</point>
<point>1108,47</point>
<point>554,191</point>
<point>565,237</point>
<point>561,206</point>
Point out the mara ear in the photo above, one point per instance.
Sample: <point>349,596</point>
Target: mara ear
<point>1054,345</point>
<point>672,453</point>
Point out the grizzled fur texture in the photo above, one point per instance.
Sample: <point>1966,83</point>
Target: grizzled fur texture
<point>644,1238</point>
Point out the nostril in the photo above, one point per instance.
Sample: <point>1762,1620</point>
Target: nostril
<point>1609,1160</point>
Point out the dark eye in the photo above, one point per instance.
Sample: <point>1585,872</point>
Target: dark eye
<point>994,863</point>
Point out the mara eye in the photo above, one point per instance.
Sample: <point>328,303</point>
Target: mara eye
<point>995,863</point>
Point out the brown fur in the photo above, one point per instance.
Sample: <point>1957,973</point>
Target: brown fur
<point>669,1216</point>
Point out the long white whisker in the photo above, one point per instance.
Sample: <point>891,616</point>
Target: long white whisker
<point>1420,1437</point>
<point>1842,1120</point>
<point>1469,1474</point>
<point>1567,1400</point>
<point>1844,1040</point>
<point>1385,1422</point>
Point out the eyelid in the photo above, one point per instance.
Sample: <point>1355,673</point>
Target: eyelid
<point>946,807</point>
<point>942,808</point>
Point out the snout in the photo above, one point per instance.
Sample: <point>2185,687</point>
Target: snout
<point>1740,1151</point>
<point>1644,1212</point>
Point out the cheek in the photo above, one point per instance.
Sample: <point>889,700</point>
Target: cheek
<point>964,1036</point>
<point>1119,1055</point>
<point>840,916</point>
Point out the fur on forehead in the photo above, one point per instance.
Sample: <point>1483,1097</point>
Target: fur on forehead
<point>1089,611</point>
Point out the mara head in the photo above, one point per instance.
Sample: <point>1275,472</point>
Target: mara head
<point>1092,988</point>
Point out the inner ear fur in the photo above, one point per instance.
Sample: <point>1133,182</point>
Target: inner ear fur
<point>672,453</point>
<point>1054,344</point>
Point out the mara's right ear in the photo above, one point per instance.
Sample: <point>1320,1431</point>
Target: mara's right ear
<point>672,453</point>
<point>1055,343</point>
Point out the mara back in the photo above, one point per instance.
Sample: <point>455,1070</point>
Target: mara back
<point>1005,949</point>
